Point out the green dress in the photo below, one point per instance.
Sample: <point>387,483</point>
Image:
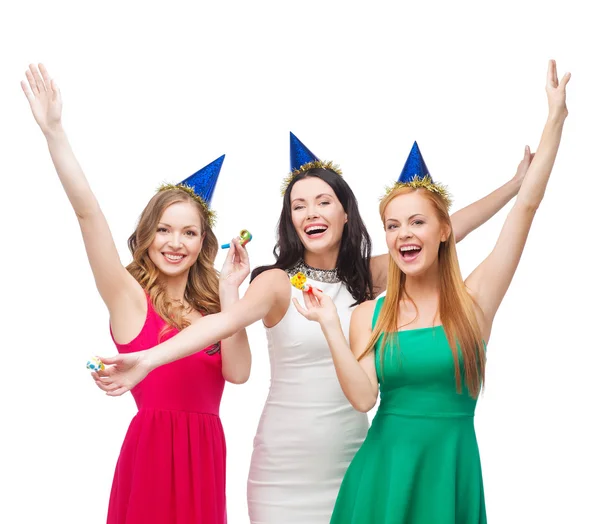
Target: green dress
<point>420,462</point>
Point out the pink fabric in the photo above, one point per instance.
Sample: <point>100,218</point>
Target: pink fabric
<point>171,469</point>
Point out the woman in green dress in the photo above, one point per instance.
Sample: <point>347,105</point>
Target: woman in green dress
<point>423,347</point>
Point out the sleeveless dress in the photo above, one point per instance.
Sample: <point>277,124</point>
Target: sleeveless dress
<point>171,469</point>
<point>308,431</point>
<point>420,462</point>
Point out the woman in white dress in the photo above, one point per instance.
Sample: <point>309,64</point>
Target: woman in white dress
<point>308,432</point>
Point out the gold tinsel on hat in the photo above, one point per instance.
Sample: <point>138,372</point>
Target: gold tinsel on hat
<point>211,216</point>
<point>426,183</point>
<point>315,164</point>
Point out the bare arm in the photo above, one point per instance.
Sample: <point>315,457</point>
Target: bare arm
<point>490,280</point>
<point>357,379</point>
<point>235,350</point>
<point>469,218</point>
<point>117,287</point>
<point>268,291</point>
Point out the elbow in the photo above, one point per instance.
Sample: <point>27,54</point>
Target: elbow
<point>237,378</point>
<point>237,374</point>
<point>529,205</point>
<point>363,405</point>
<point>85,213</point>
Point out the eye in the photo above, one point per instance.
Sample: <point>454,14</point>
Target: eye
<point>161,230</point>
<point>418,222</point>
<point>391,226</point>
<point>190,233</point>
<point>296,208</point>
<point>324,203</point>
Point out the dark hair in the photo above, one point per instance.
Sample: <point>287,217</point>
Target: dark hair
<point>353,263</point>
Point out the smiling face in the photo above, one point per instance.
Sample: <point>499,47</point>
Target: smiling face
<point>317,215</point>
<point>178,239</point>
<point>414,232</point>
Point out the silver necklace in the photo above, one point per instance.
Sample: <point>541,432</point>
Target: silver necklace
<point>327,276</point>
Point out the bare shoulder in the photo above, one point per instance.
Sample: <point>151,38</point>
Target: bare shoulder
<point>275,279</point>
<point>364,312</point>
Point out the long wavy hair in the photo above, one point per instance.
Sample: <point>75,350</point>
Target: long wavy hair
<point>202,288</point>
<point>353,263</point>
<point>456,306</point>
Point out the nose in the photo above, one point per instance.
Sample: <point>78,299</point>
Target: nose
<point>404,233</point>
<point>312,211</point>
<point>175,241</point>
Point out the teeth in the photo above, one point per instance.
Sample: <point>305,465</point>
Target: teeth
<point>315,228</point>
<point>174,257</point>
<point>409,248</point>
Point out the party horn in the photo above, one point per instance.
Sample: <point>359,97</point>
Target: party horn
<point>299,282</point>
<point>245,237</point>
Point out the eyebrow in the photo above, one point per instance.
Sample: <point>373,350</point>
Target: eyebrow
<point>316,198</point>
<point>185,227</point>
<point>410,217</point>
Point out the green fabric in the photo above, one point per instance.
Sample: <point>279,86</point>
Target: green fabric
<point>420,462</point>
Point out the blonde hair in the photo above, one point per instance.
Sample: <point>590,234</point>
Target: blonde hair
<point>456,306</point>
<point>202,288</point>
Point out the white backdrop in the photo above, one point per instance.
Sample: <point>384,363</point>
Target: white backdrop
<point>152,93</point>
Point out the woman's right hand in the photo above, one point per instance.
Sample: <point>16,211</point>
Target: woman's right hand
<point>44,98</point>
<point>122,373</point>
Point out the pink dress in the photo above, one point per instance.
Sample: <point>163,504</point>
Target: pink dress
<point>171,469</point>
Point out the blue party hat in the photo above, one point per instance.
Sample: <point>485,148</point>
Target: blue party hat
<point>303,159</point>
<point>201,186</point>
<point>203,182</point>
<point>414,167</point>
<point>299,153</point>
<point>415,174</point>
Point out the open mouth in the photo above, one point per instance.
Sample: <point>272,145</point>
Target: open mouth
<point>173,258</point>
<point>316,230</point>
<point>410,252</point>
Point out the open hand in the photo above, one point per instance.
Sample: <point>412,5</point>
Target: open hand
<point>523,165</point>
<point>319,307</point>
<point>122,373</point>
<point>44,98</point>
<point>556,91</point>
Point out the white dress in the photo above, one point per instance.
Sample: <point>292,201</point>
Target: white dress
<point>308,432</point>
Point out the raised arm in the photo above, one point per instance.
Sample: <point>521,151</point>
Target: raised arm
<point>490,280</point>
<point>469,218</point>
<point>235,350</point>
<point>269,291</point>
<point>117,287</point>
<point>357,379</point>
<point>465,220</point>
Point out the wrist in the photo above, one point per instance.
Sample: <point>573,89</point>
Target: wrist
<point>557,115</point>
<point>54,131</point>
<point>330,324</point>
<point>514,184</point>
<point>228,293</point>
<point>149,360</point>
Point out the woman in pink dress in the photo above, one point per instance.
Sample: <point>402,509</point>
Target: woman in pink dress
<point>171,469</point>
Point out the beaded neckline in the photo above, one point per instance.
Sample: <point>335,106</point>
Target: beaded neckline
<point>327,276</point>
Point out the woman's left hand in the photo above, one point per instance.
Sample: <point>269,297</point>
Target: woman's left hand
<point>556,91</point>
<point>319,307</point>
<point>236,267</point>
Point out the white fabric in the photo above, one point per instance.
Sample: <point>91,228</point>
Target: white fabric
<point>308,432</point>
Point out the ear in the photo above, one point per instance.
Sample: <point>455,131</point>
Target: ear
<point>345,218</point>
<point>445,233</point>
